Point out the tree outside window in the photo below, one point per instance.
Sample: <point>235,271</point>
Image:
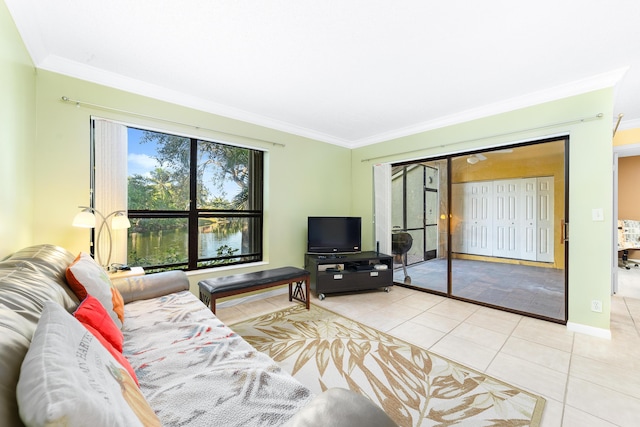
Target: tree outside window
<point>192,203</point>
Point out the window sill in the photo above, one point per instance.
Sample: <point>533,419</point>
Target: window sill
<point>230,268</point>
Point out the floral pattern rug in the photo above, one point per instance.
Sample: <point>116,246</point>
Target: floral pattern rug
<point>323,349</point>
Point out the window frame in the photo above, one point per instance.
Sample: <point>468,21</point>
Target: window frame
<point>193,214</point>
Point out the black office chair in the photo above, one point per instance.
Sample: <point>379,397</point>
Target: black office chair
<point>401,242</point>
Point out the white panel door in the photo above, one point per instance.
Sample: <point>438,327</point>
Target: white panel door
<point>545,207</point>
<point>480,238</point>
<point>507,219</point>
<point>471,210</point>
<point>529,212</point>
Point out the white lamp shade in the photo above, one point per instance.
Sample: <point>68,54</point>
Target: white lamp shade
<point>120,221</point>
<point>85,219</point>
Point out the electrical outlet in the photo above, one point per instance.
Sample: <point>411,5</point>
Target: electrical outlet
<point>596,306</point>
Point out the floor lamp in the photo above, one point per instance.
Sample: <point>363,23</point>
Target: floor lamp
<point>87,219</point>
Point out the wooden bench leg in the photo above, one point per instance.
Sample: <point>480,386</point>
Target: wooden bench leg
<point>299,293</point>
<point>208,300</point>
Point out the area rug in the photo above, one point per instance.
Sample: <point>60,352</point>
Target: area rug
<point>323,349</point>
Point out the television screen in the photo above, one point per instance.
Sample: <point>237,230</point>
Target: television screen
<point>332,234</point>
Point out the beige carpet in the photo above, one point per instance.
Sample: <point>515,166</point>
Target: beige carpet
<point>323,349</point>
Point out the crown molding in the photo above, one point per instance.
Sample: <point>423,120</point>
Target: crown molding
<point>96,75</point>
<point>629,124</point>
<point>89,73</point>
<point>578,87</point>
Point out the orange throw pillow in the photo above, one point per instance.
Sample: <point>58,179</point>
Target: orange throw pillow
<point>91,312</point>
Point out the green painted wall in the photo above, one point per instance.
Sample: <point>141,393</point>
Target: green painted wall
<point>297,184</point>
<point>590,181</point>
<point>17,136</point>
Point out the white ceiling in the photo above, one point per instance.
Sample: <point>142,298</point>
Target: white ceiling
<point>347,72</point>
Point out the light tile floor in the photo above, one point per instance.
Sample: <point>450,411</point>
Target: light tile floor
<point>629,282</point>
<point>586,381</point>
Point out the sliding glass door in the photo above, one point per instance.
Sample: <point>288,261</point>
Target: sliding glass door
<point>502,211</point>
<point>419,220</point>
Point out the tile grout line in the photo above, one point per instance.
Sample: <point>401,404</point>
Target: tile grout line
<point>503,344</point>
<point>633,320</point>
<point>425,311</point>
<point>566,384</point>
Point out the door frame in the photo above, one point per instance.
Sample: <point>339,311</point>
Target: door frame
<point>564,223</point>
<point>618,151</point>
<point>420,171</point>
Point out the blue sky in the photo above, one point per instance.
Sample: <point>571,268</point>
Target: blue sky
<point>139,160</point>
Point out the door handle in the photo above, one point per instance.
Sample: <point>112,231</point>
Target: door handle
<point>564,233</point>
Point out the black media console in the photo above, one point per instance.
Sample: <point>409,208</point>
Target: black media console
<point>349,272</point>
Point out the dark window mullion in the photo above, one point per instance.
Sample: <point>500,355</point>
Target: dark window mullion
<point>257,181</point>
<point>157,214</point>
<point>251,216</point>
<point>193,205</point>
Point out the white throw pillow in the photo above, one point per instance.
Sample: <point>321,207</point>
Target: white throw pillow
<point>68,378</point>
<point>85,276</point>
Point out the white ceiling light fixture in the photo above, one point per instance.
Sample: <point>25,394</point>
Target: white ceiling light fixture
<point>475,158</point>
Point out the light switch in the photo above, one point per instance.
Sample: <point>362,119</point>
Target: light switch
<point>597,214</point>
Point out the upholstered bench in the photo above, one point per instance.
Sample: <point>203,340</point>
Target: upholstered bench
<point>225,286</point>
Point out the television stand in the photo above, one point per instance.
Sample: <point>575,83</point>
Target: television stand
<point>336,273</point>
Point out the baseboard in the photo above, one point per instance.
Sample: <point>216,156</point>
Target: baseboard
<point>253,297</point>
<point>589,330</point>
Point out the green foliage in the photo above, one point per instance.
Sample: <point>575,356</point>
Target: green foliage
<point>226,250</point>
<point>168,188</point>
<point>225,163</point>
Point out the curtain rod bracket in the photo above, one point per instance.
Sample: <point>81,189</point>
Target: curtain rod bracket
<point>615,129</point>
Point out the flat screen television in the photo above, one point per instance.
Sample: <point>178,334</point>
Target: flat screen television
<point>333,234</point>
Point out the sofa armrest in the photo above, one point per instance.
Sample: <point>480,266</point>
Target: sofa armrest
<point>339,407</point>
<point>151,285</point>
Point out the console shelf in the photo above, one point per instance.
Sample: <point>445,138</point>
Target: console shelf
<point>349,272</point>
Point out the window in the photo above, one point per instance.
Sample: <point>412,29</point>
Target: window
<point>191,203</point>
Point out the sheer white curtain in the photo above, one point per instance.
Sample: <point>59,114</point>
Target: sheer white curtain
<point>110,184</point>
<point>382,206</point>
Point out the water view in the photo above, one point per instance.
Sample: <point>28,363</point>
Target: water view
<point>160,247</point>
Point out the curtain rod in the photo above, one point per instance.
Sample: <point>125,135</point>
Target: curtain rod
<point>615,129</point>
<point>584,119</point>
<point>117,110</point>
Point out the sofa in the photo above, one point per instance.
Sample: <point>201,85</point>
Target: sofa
<point>77,348</point>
